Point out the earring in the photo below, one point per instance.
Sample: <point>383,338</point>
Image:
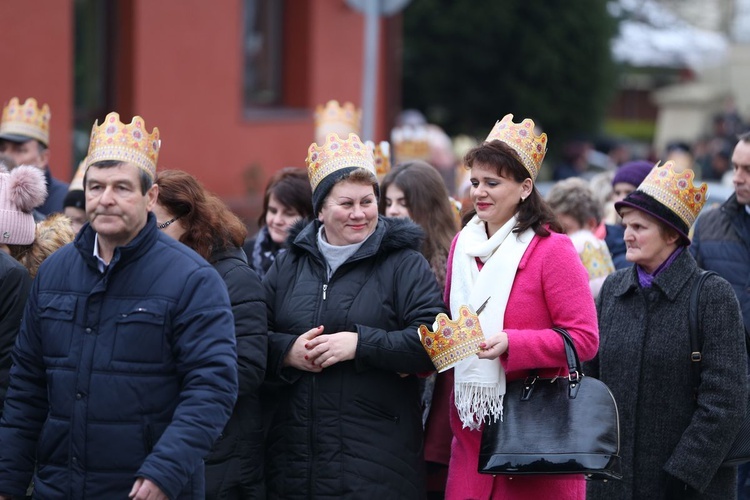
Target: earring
<point>523,199</point>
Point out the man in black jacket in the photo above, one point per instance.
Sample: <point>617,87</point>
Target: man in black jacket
<point>721,243</point>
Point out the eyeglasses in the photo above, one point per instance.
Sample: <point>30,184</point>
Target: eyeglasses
<point>163,225</point>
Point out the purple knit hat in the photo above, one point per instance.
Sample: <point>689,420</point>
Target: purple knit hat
<point>21,190</point>
<point>633,172</point>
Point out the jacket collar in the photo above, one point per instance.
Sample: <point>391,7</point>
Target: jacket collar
<point>138,246</point>
<point>670,281</point>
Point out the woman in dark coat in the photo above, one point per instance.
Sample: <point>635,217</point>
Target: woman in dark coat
<point>672,441</point>
<point>195,217</point>
<point>344,304</point>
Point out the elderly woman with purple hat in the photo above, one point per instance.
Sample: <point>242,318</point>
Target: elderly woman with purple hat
<point>674,435</point>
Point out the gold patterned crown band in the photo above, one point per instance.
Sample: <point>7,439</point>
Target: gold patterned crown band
<point>336,118</point>
<point>336,154</point>
<point>530,147</point>
<point>452,341</point>
<point>675,190</point>
<point>25,121</point>
<point>381,153</point>
<point>132,143</point>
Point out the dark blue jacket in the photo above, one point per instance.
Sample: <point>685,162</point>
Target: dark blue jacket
<point>721,243</point>
<point>117,375</point>
<point>56,192</point>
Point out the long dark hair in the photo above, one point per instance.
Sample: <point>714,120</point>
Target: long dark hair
<point>534,212</point>
<point>291,187</point>
<point>209,224</point>
<point>429,206</point>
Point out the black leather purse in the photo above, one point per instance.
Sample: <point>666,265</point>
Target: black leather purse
<point>564,425</point>
<point>739,453</point>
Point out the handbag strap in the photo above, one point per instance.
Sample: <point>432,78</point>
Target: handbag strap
<point>571,354</point>
<point>695,328</point>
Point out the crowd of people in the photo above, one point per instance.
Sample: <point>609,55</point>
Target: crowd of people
<point>151,348</point>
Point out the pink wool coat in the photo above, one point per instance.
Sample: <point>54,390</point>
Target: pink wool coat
<point>551,288</point>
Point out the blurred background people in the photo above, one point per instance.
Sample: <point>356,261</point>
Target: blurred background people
<point>50,234</point>
<point>626,180</point>
<point>512,258</point>
<point>188,213</point>
<point>666,422</point>
<point>415,190</point>
<point>286,200</point>
<point>344,303</point>
<point>74,208</point>
<point>24,136</point>
<point>579,212</point>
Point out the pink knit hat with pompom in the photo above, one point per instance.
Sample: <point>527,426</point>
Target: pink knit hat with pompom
<point>21,190</point>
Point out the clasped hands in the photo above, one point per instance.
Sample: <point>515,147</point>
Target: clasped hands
<point>312,351</point>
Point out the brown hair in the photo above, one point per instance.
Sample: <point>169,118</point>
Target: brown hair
<point>291,187</point>
<point>533,213</point>
<point>429,206</point>
<point>50,234</point>
<point>209,224</point>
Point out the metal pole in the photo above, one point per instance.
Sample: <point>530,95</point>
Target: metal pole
<point>370,70</point>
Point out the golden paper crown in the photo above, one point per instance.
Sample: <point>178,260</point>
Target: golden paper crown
<point>381,153</point>
<point>77,181</point>
<point>673,187</point>
<point>530,147</point>
<point>452,341</point>
<point>338,119</point>
<point>113,140</point>
<point>27,120</point>
<point>335,154</point>
<point>411,142</point>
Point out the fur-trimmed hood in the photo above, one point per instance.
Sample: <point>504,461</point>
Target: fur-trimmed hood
<point>391,234</point>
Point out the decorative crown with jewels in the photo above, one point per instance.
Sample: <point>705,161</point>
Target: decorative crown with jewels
<point>530,147</point>
<point>27,120</point>
<point>673,187</point>
<point>113,140</point>
<point>336,118</point>
<point>381,153</point>
<point>337,153</point>
<point>411,142</point>
<point>452,341</point>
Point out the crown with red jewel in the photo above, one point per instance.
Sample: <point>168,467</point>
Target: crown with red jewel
<point>381,153</point>
<point>26,120</point>
<point>452,341</point>
<point>132,143</point>
<point>337,153</point>
<point>336,118</point>
<point>673,187</point>
<point>530,147</point>
<point>411,142</point>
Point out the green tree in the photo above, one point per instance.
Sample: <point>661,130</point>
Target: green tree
<point>466,64</point>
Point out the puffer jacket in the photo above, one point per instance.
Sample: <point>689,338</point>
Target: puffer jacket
<point>353,430</point>
<point>234,469</point>
<point>125,373</point>
<point>721,243</point>
<point>15,283</point>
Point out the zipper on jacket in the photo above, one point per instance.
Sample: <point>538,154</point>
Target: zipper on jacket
<point>325,287</point>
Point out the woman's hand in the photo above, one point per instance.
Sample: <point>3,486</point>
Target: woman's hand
<point>298,356</point>
<point>330,349</point>
<point>493,346</point>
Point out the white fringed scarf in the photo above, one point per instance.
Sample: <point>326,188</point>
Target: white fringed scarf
<point>480,383</point>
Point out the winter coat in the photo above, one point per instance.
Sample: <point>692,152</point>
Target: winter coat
<point>353,430</point>
<point>125,373</point>
<point>721,243</point>
<point>235,465</point>
<point>56,192</point>
<point>644,358</point>
<point>15,283</point>
<point>551,289</point>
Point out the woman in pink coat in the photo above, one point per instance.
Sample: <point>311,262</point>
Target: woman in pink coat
<point>511,258</point>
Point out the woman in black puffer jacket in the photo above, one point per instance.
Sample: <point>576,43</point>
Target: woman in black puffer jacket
<point>344,304</point>
<point>188,213</point>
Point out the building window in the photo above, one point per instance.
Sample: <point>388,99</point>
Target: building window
<point>263,53</point>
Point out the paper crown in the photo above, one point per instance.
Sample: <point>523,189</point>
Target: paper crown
<point>113,140</point>
<point>77,181</point>
<point>452,341</point>
<point>25,121</point>
<point>411,142</point>
<point>673,188</point>
<point>530,147</point>
<point>381,154</point>
<point>338,119</point>
<point>335,154</point>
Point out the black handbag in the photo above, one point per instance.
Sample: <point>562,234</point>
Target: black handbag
<point>563,425</point>
<point>739,453</point>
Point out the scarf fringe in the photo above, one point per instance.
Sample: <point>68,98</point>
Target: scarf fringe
<point>477,403</point>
